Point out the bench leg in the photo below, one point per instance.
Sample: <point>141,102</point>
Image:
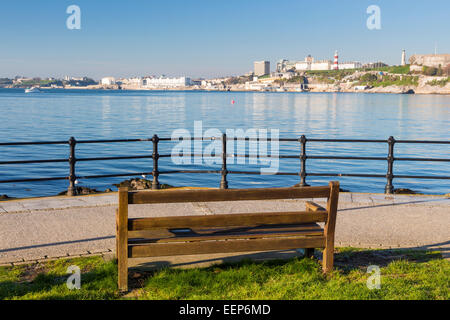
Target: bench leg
<point>122,263</point>
<point>328,257</point>
<point>329,229</point>
<point>122,240</point>
<point>309,252</point>
<point>123,277</point>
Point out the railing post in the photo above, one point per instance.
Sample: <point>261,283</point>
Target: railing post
<point>71,190</point>
<point>302,141</point>
<point>389,189</point>
<point>155,156</point>
<point>223,181</point>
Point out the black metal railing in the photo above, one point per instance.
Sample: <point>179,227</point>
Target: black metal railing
<point>224,172</point>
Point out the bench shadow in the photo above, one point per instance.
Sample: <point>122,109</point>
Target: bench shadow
<point>394,204</point>
<point>219,260</point>
<point>346,260</point>
<point>147,267</point>
<point>354,259</point>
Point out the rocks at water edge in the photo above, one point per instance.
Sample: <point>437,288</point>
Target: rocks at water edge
<point>404,191</point>
<point>340,189</point>
<point>82,191</point>
<point>135,184</point>
<point>139,184</point>
<point>131,184</point>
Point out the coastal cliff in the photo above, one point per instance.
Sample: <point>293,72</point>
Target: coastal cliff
<point>420,89</point>
<point>380,82</point>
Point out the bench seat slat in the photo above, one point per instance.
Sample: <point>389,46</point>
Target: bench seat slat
<point>173,196</point>
<point>164,236</point>
<point>205,247</point>
<point>227,220</point>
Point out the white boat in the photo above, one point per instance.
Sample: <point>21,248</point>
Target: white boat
<point>32,90</point>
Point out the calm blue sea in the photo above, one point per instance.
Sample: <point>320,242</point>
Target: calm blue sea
<point>92,114</point>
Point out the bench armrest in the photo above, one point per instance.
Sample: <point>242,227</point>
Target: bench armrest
<point>312,206</point>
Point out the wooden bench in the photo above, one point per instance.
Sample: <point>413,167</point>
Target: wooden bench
<point>225,233</point>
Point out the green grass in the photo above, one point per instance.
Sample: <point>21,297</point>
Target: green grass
<point>296,79</point>
<point>392,69</point>
<point>441,83</point>
<point>329,76</point>
<point>48,280</point>
<point>388,80</point>
<point>36,82</point>
<point>404,275</point>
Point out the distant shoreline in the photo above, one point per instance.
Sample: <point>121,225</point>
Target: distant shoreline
<point>387,89</point>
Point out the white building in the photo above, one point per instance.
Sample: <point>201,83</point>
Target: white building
<point>321,65</point>
<point>257,86</point>
<point>283,75</point>
<point>108,81</point>
<point>302,66</point>
<point>310,64</point>
<point>20,80</point>
<point>281,65</point>
<point>134,82</point>
<point>350,65</point>
<point>163,82</point>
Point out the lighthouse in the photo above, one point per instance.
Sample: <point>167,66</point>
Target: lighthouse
<point>336,63</point>
<point>403,57</point>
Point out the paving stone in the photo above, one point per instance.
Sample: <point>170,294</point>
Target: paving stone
<point>6,260</point>
<point>345,197</point>
<point>13,205</point>
<point>361,198</point>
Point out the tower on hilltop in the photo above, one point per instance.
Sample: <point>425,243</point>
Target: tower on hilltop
<point>336,62</point>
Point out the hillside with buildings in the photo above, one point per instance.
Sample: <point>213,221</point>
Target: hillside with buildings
<point>425,74</point>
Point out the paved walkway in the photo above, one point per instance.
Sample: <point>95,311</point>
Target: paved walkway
<point>43,228</point>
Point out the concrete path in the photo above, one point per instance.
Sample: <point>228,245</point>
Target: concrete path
<point>43,228</point>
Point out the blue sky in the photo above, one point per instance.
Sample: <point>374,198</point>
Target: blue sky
<point>201,38</point>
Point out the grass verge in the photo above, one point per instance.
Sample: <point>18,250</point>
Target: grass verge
<point>405,274</point>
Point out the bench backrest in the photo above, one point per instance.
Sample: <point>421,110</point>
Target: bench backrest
<point>224,220</point>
